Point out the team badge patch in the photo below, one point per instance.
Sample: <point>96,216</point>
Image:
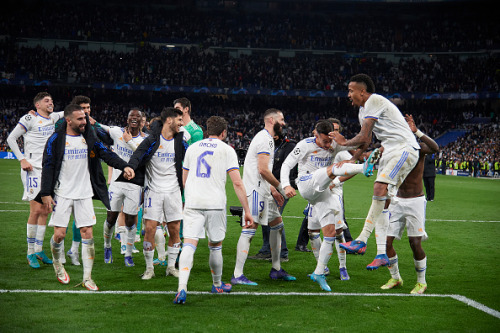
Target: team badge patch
<point>296,151</point>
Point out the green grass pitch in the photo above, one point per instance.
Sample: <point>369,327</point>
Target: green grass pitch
<point>463,273</point>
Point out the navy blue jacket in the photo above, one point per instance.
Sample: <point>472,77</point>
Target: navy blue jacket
<point>53,156</point>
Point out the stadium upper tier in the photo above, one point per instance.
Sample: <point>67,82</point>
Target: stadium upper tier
<point>388,27</point>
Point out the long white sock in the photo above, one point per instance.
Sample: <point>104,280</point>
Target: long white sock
<point>123,238</point>
<point>185,264</point>
<point>421,267</point>
<point>40,235</point>
<point>325,253</point>
<point>149,252</point>
<point>31,237</point>
<point>394,267</point>
<point>88,255</point>
<point>242,249</point>
<point>315,239</point>
<point>215,261</point>
<point>275,244</point>
<point>130,236</point>
<point>61,252</point>
<point>55,248</point>
<point>172,254</point>
<point>347,169</point>
<point>376,209</point>
<point>75,247</point>
<point>160,243</point>
<point>107,234</point>
<point>340,251</point>
<point>381,226</point>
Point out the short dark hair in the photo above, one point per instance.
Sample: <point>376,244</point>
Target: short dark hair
<point>336,121</point>
<point>70,108</point>
<point>366,80</point>
<point>80,99</point>
<point>41,95</point>
<point>186,103</point>
<point>324,127</point>
<point>169,112</point>
<point>216,125</point>
<point>135,109</point>
<point>270,112</point>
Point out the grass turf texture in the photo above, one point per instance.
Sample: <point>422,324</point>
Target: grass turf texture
<point>463,259</point>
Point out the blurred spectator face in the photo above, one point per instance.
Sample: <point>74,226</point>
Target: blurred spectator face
<point>46,105</point>
<point>357,94</point>
<point>86,108</point>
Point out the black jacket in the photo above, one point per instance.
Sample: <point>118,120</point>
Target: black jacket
<point>53,156</point>
<point>429,166</point>
<point>283,147</point>
<point>147,149</point>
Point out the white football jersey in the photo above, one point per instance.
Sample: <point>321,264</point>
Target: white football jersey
<point>122,149</point>
<point>262,143</point>
<point>208,162</point>
<point>160,170</point>
<point>310,158</point>
<point>390,127</point>
<point>74,179</point>
<point>37,131</point>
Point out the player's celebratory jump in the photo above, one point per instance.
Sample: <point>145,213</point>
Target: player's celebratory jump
<point>315,157</point>
<point>206,166</point>
<point>379,116</point>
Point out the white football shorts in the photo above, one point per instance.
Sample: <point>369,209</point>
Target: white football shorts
<point>162,206</point>
<point>197,221</point>
<point>409,213</point>
<point>82,210</point>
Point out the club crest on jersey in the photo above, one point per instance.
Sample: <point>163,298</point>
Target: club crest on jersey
<point>296,151</point>
<point>28,117</point>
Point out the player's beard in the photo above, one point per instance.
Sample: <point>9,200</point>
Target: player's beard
<point>278,129</point>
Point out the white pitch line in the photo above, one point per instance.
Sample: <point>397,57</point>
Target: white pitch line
<point>459,298</point>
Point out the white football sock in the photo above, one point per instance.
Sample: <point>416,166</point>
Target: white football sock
<point>376,209</point>
<point>324,255</point>
<point>55,248</point>
<point>31,237</point>
<point>394,267</point>
<point>381,226</point>
<point>275,244</point>
<point>107,234</point>
<point>40,235</point>
<point>160,243</point>
<point>242,249</point>
<point>315,239</point>
<point>130,237</point>
<point>215,261</point>
<point>421,267</point>
<point>340,251</point>
<point>172,254</point>
<point>185,265</point>
<point>88,255</point>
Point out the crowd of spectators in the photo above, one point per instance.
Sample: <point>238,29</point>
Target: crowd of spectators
<point>193,67</point>
<point>242,112</point>
<point>477,152</point>
<point>389,27</point>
